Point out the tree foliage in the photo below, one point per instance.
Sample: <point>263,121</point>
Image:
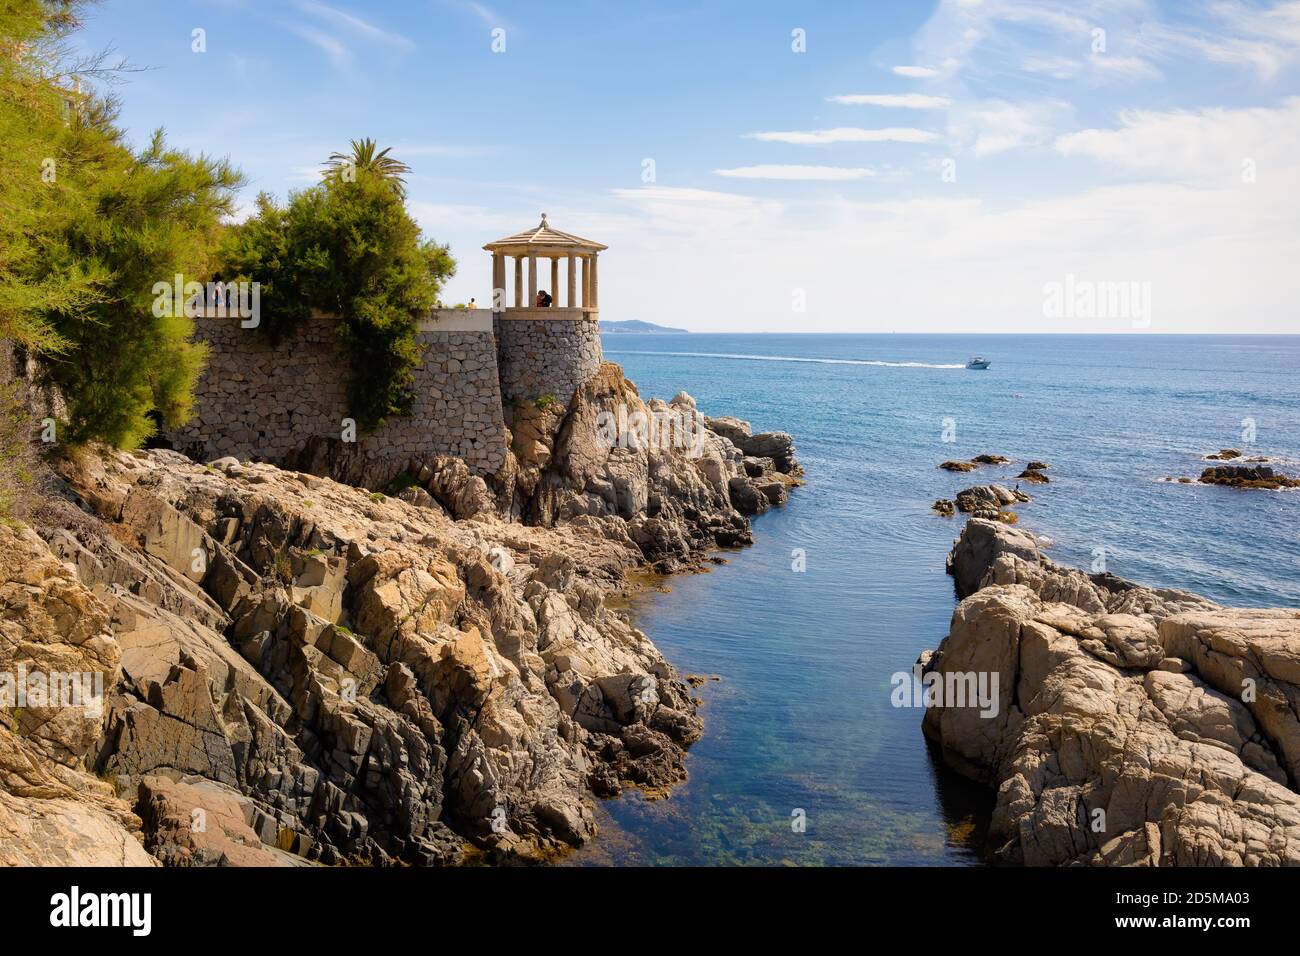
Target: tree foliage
<point>89,228</point>
<point>349,248</point>
<point>366,156</point>
<point>32,116</point>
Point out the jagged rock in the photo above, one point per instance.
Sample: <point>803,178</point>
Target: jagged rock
<point>1121,733</point>
<point>452,485</point>
<point>197,822</point>
<point>979,546</point>
<point>417,496</point>
<point>332,675</point>
<point>733,429</point>
<point>675,478</point>
<point>944,508</point>
<point>746,496</point>
<point>53,811</point>
<point>1245,476</point>
<point>958,466</point>
<point>987,501</point>
<point>355,677</point>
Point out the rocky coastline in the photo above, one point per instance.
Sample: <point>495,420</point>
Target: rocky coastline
<point>299,671</point>
<point>1129,726</point>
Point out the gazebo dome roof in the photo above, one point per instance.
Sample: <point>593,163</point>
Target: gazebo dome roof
<point>546,240</point>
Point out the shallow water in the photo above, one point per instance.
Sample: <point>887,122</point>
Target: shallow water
<point>801,718</point>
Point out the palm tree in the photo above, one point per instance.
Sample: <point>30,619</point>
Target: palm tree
<point>365,158</point>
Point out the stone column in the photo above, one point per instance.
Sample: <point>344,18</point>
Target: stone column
<point>586,283</point>
<point>498,282</point>
<point>572,301</point>
<point>555,282</point>
<point>532,280</point>
<point>519,282</point>
<point>595,285</point>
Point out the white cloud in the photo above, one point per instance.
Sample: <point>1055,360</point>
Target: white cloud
<point>1058,38</point>
<point>343,27</point>
<point>1057,67</point>
<point>677,194</point>
<point>995,126</point>
<point>847,134</point>
<point>916,72</point>
<point>1219,254</point>
<point>1218,260</point>
<point>914,101</point>
<point>350,23</point>
<point>796,172</point>
<point>1193,146</point>
<point>338,53</point>
<point>438,219</point>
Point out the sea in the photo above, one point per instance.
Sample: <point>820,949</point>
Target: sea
<point>805,760</point>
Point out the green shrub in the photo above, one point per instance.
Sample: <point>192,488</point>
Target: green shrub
<point>88,227</point>
<point>349,248</point>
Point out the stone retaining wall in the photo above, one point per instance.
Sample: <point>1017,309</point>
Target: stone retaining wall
<point>539,357</point>
<point>257,401</point>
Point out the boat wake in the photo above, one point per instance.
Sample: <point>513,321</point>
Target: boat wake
<point>785,358</point>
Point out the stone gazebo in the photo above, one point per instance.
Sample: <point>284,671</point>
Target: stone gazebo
<point>545,351</point>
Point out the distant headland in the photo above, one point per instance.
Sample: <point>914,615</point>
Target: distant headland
<point>636,325</point>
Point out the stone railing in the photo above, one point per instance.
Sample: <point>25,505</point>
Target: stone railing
<point>552,312</point>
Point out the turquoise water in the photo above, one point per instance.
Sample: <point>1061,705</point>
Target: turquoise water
<point>801,718</point>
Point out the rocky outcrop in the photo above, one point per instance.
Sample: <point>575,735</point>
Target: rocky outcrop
<point>777,446</point>
<point>963,466</point>
<point>1247,476</point>
<point>329,675</point>
<point>298,671</point>
<point>53,809</point>
<point>660,476</point>
<point>1131,726</point>
<point>987,501</point>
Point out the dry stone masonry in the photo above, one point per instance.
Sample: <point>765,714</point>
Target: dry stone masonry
<point>540,357</point>
<point>263,402</point>
<point>280,403</point>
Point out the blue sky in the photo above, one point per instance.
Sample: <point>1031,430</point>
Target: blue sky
<point>916,167</point>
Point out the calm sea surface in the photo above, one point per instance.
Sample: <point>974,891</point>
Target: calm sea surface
<point>800,720</point>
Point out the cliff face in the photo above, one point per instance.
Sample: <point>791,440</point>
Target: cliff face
<point>297,670</point>
<point>1133,726</point>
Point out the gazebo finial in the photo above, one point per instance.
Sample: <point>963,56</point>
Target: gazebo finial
<point>544,223</point>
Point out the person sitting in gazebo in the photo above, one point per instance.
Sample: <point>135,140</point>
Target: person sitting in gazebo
<point>543,299</point>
